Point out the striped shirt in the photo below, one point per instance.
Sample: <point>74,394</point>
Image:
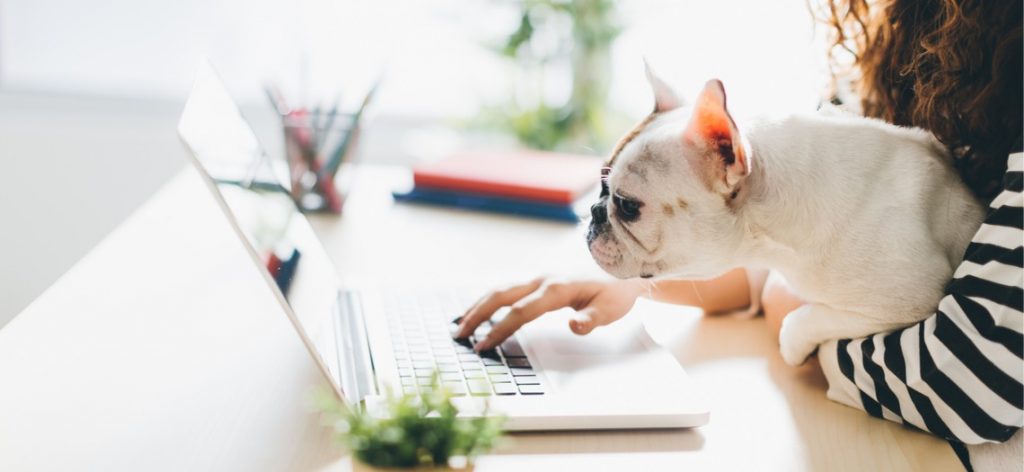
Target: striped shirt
<point>959,373</point>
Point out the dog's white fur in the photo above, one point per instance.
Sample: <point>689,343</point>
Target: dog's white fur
<point>866,220</point>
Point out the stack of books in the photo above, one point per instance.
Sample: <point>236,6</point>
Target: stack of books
<point>526,183</point>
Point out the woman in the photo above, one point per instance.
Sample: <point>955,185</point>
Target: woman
<point>950,66</point>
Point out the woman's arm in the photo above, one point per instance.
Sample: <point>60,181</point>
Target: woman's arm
<point>957,374</point>
<point>729,292</point>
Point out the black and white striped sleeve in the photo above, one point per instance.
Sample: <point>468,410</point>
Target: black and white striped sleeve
<point>957,374</point>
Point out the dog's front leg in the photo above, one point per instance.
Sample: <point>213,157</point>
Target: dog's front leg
<point>806,327</point>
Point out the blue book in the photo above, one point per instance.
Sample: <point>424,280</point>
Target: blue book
<point>475,201</point>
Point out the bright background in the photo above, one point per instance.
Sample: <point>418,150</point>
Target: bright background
<point>90,91</point>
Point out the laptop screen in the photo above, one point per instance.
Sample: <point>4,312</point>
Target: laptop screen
<point>252,189</point>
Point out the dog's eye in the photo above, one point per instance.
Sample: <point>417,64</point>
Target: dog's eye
<point>626,209</point>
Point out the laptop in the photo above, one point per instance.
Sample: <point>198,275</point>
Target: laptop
<point>372,341</point>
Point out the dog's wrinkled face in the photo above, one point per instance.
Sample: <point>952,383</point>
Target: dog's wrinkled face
<point>670,191</point>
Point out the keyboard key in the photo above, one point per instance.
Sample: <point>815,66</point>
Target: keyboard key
<point>500,378</point>
<point>408,381</point>
<point>451,376</point>
<point>447,367</point>
<point>445,359</point>
<point>517,371</point>
<point>457,388</point>
<point>468,357</point>
<point>405,372</point>
<point>424,372</point>
<point>471,366</point>
<point>490,353</point>
<point>527,380</point>
<point>423,380</point>
<point>402,363</point>
<point>504,388</point>
<point>512,348</point>
<point>531,389</point>
<point>475,374</point>
<point>479,387</point>
<point>518,362</point>
<point>489,361</point>
<point>497,369</point>
<point>462,345</point>
<point>423,364</point>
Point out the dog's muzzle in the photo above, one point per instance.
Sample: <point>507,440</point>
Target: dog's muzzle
<point>598,220</point>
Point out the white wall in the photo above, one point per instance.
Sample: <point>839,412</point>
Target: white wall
<point>72,169</point>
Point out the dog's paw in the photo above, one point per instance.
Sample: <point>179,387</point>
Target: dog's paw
<point>795,354</point>
<point>794,344</point>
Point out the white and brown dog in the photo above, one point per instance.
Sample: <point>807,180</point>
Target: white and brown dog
<point>866,220</point>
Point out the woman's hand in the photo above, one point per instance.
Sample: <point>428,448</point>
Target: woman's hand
<point>597,303</point>
<point>777,301</point>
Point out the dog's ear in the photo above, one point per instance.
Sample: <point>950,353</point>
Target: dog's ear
<point>664,98</point>
<point>712,125</point>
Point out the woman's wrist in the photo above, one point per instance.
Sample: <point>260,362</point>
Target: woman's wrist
<point>634,287</point>
<point>728,292</point>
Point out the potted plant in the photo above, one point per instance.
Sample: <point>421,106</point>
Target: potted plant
<point>419,431</point>
<point>574,33</point>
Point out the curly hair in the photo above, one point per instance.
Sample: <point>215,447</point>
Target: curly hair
<point>953,67</point>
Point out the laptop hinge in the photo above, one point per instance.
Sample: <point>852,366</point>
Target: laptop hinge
<point>354,360</point>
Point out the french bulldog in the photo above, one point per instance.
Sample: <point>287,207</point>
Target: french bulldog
<point>865,220</point>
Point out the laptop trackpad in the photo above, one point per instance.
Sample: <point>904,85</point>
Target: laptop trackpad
<point>613,358</point>
<point>551,337</point>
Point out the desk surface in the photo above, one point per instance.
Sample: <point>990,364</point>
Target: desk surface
<point>161,350</point>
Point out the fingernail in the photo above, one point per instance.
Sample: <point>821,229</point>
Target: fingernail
<point>457,320</point>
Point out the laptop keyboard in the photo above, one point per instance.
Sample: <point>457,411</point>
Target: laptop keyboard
<point>420,327</point>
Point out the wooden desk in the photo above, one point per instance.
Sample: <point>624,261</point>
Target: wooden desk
<point>161,350</point>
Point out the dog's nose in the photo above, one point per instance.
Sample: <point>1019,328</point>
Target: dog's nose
<point>599,214</point>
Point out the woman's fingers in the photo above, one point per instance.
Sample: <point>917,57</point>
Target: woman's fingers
<point>607,306</point>
<point>583,322</point>
<point>597,304</point>
<point>490,303</point>
<point>549,298</point>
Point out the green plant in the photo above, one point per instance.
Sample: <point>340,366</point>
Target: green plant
<point>418,430</point>
<point>584,31</point>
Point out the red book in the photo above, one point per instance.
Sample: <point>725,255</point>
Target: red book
<point>526,175</point>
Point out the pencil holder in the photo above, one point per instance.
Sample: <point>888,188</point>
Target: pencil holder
<point>317,145</point>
